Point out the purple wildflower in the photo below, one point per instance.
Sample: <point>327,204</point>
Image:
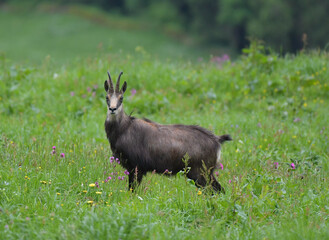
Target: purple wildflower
<point>225,57</point>
<point>216,173</point>
<point>133,92</point>
<point>111,159</point>
<point>276,165</point>
<point>54,150</point>
<point>72,94</point>
<point>221,167</point>
<point>220,60</point>
<point>6,226</point>
<point>97,184</point>
<point>127,173</point>
<point>292,165</point>
<point>62,155</point>
<point>297,120</point>
<point>229,181</point>
<point>109,178</point>
<point>88,89</point>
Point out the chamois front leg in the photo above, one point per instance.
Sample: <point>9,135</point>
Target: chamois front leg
<point>135,178</point>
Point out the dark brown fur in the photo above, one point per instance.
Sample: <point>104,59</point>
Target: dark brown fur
<point>144,146</point>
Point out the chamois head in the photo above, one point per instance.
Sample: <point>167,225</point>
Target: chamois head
<point>114,97</point>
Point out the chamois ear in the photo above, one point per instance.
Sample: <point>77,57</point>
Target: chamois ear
<point>124,87</point>
<point>106,85</point>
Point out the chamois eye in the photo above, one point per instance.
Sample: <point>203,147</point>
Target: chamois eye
<point>107,98</point>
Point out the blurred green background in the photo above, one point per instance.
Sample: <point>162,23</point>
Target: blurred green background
<point>31,30</point>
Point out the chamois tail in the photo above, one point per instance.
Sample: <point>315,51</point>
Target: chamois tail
<point>224,138</point>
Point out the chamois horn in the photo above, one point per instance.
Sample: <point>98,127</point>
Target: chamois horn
<point>118,83</point>
<point>110,81</point>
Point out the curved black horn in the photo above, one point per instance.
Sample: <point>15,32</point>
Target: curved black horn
<point>110,81</point>
<point>118,83</point>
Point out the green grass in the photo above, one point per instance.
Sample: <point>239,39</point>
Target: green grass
<point>63,34</point>
<point>274,107</point>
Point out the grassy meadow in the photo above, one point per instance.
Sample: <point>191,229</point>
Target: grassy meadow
<point>56,177</point>
<point>64,34</point>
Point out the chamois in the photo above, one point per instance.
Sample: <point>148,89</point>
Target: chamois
<point>144,146</point>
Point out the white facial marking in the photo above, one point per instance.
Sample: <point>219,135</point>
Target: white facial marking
<point>113,101</point>
<point>112,109</point>
<point>218,156</point>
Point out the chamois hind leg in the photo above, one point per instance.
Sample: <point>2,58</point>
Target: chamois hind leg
<point>201,181</point>
<point>135,178</point>
<point>196,176</point>
<point>215,184</point>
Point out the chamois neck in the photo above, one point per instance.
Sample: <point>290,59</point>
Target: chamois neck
<point>115,125</point>
<point>118,118</point>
